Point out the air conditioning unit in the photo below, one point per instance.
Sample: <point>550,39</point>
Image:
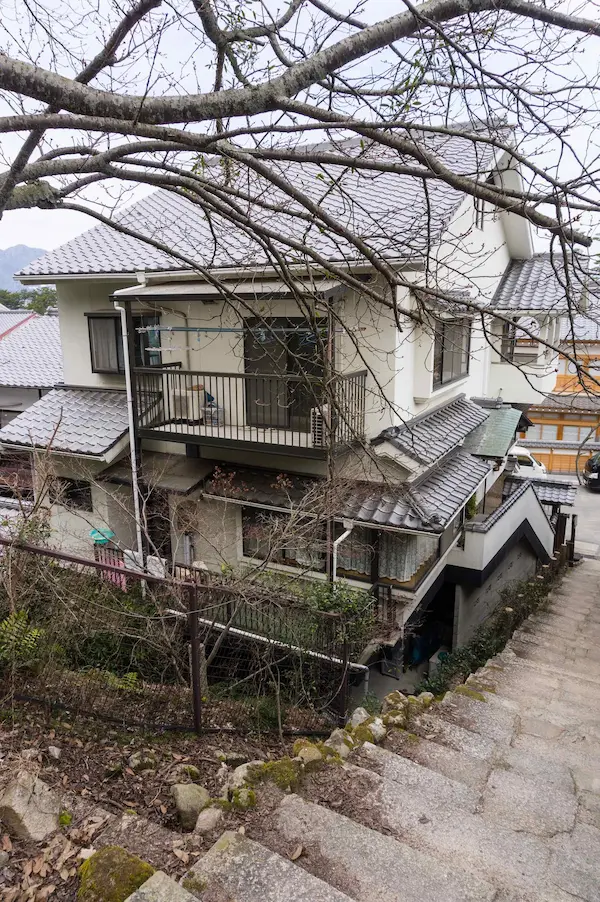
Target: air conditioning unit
<point>319,422</point>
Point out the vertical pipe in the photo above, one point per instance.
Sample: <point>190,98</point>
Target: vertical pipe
<point>195,658</point>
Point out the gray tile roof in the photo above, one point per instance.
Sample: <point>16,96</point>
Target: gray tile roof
<point>575,401</point>
<point>582,326</point>
<point>539,284</point>
<point>72,420</point>
<point>431,435</point>
<point>549,491</point>
<point>495,435</point>
<point>11,318</point>
<point>31,354</point>
<point>482,523</point>
<point>429,506</point>
<point>396,214</point>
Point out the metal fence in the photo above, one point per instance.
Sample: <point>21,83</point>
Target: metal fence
<point>99,639</point>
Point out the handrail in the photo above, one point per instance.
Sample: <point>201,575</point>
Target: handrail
<point>285,377</point>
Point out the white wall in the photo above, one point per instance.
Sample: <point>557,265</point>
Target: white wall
<point>16,400</point>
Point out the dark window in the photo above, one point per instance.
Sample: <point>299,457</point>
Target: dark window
<point>479,212</point>
<point>509,340</point>
<point>72,493</point>
<point>451,350</point>
<point>266,535</point>
<point>106,343</point>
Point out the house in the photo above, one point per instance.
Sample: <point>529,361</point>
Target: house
<point>291,420</point>
<point>30,365</point>
<point>566,423</point>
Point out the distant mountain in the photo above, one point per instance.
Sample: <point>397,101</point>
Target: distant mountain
<point>12,260</point>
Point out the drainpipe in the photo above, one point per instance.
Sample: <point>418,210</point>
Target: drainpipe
<point>133,454</point>
<point>348,526</point>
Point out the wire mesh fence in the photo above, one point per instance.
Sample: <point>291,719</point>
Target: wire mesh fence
<point>97,638</point>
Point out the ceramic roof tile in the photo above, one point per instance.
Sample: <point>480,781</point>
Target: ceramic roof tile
<point>395,214</point>
<point>431,435</point>
<point>570,401</point>
<point>72,420</point>
<point>549,491</point>
<point>484,523</point>
<point>583,326</point>
<point>495,435</point>
<point>31,354</point>
<point>9,319</point>
<point>539,284</point>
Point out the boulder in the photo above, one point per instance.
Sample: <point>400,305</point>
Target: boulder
<point>340,742</point>
<point>111,875</point>
<point>240,775</point>
<point>378,729</point>
<point>310,754</point>
<point>189,799</point>
<point>233,759</point>
<point>394,701</point>
<point>395,718</point>
<point>142,761</point>
<point>426,698</point>
<point>28,808</point>
<point>208,820</point>
<point>359,716</point>
<point>184,773</point>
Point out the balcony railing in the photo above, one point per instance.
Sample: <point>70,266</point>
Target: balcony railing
<point>296,413</point>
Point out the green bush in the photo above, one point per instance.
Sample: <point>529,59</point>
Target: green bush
<point>19,640</point>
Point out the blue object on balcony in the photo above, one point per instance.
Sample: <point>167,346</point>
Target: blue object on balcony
<point>101,536</point>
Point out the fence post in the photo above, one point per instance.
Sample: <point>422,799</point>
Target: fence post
<point>571,542</point>
<point>192,598</point>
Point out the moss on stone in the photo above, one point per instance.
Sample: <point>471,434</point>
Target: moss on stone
<point>243,798</point>
<point>470,693</point>
<point>363,733</point>
<point>301,744</point>
<point>65,819</point>
<point>111,875</point>
<point>283,773</point>
<point>194,884</point>
<point>192,772</point>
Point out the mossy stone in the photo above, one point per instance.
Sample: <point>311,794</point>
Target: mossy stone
<point>470,693</point>
<point>363,733</point>
<point>111,875</point>
<point>283,773</point>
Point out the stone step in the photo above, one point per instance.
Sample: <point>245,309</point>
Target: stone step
<point>580,755</point>
<point>575,862</point>
<point>238,869</point>
<point>374,865</point>
<point>436,729</point>
<point>568,662</point>
<point>442,759</point>
<point>529,804</point>
<point>160,888</point>
<point>586,650</point>
<point>389,766</point>
<point>473,713</point>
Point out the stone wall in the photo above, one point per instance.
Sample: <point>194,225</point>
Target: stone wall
<point>474,604</point>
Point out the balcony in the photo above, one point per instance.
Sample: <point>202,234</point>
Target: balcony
<point>288,414</point>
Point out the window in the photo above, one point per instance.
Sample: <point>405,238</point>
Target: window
<point>265,535</point>
<point>451,350</point>
<point>72,493</point>
<point>355,553</point>
<point>479,212</point>
<point>106,343</point>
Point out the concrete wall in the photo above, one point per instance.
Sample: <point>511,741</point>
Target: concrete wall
<point>474,605</point>
<point>14,401</point>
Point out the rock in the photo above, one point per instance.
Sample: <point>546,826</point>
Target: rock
<point>340,742</point>
<point>184,773</point>
<point>233,759</point>
<point>208,820</point>
<point>29,808</point>
<point>378,729</point>
<point>359,716</point>
<point>310,754</point>
<point>111,875</point>
<point>142,761</point>
<point>394,701</point>
<point>4,859</point>
<point>395,718</point>
<point>426,698</point>
<point>240,775</point>
<point>29,754</point>
<point>190,799</point>
<point>243,798</point>
<point>54,752</point>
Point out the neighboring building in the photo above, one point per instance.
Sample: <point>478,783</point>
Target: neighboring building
<point>566,423</point>
<point>249,393</point>
<point>30,365</point>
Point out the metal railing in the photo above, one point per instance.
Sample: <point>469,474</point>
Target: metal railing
<point>299,412</point>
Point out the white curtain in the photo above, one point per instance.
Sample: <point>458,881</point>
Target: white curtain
<point>400,556</point>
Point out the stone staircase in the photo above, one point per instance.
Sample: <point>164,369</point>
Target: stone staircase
<point>495,795</point>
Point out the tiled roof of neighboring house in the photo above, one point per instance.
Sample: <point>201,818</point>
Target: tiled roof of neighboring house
<point>574,401</point>
<point>495,435</point>
<point>171,472</point>
<point>431,435</point>
<point>538,284</point>
<point>72,420</point>
<point>399,216</point>
<point>9,319</point>
<point>31,354</point>
<point>549,491</point>
<point>543,444</point>
<point>428,506</point>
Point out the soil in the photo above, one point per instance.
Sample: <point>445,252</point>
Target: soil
<point>99,787</point>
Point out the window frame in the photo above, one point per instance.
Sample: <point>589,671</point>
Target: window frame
<point>284,556</point>
<point>440,351</point>
<point>64,492</point>
<point>138,320</point>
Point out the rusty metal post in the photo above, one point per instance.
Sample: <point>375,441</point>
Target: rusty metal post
<point>196,680</point>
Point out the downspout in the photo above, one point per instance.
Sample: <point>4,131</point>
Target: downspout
<point>349,526</point>
<point>133,452</point>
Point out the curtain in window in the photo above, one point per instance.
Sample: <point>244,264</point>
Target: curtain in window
<point>107,352</point>
<point>355,553</point>
<point>400,556</point>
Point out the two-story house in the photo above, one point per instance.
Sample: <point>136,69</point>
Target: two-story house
<point>309,418</point>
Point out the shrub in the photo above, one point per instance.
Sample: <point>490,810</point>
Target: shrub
<point>19,640</point>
